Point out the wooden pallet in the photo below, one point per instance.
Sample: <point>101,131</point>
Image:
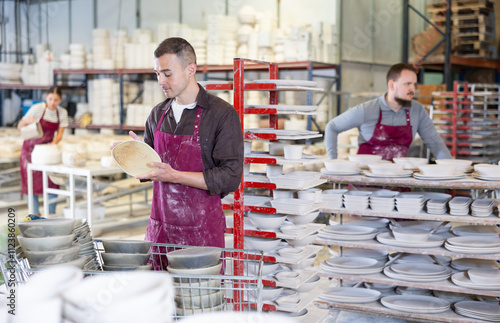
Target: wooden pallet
<point>475,53</point>
<point>471,45</point>
<point>469,37</point>
<point>460,5</point>
<point>463,20</point>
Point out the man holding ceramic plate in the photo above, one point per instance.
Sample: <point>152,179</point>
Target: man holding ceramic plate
<point>199,139</point>
<point>388,124</point>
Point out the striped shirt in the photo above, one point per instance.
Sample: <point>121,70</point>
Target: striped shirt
<point>36,112</point>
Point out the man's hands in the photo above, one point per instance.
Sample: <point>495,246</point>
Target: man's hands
<point>163,173</point>
<point>132,134</point>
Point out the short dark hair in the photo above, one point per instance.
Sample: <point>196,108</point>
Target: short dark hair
<point>55,90</point>
<point>396,69</point>
<point>178,46</point>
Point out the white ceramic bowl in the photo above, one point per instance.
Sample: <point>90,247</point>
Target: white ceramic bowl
<point>196,257</point>
<point>264,244</point>
<point>484,276</point>
<point>46,243</point>
<point>212,270</point>
<point>410,162</point>
<point>303,219</point>
<point>303,264</point>
<point>200,301</point>
<point>267,268</point>
<point>123,259</point>
<point>126,246</point>
<point>410,234</point>
<point>287,276</point>
<point>302,242</point>
<point>458,163</point>
<point>46,228</point>
<point>288,301</point>
<point>363,160</point>
<point>385,168</point>
<point>293,152</point>
<point>134,156</point>
<point>276,148</point>
<point>487,169</point>
<point>290,252</point>
<point>78,263</point>
<point>309,284</point>
<point>341,165</point>
<point>437,170</point>
<point>293,229</point>
<point>270,293</point>
<point>53,256</point>
<point>266,221</point>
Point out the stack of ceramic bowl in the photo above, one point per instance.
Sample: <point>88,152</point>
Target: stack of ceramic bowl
<point>459,205</point>
<point>119,298</point>
<point>482,207</point>
<point>478,278</point>
<point>192,294</point>
<point>487,172</point>
<point>383,200</point>
<point>436,172</point>
<point>437,206</point>
<point>266,221</point>
<point>125,255</point>
<point>461,165</point>
<point>263,244</point>
<point>50,242</point>
<point>410,203</point>
<point>333,198</point>
<point>418,272</point>
<point>410,163</point>
<point>83,237</point>
<point>479,310</point>
<point>352,265</point>
<point>473,244</point>
<point>356,200</point>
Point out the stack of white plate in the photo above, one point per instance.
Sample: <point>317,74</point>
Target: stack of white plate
<point>482,207</point>
<point>410,203</point>
<point>383,200</point>
<point>416,304</point>
<point>462,279</point>
<point>459,205</point>
<point>473,244</point>
<point>464,264</point>
<point>476,230</point>
<point>334,198</point>
<point>479,310</point>
<point>83,236</point>
<point>356,200</point>
<point>437,206</point>
<point>349,295</point>
<point>347,233</point>
<point>418,272</point>
<point>388,239</point>
<point>352,265</point>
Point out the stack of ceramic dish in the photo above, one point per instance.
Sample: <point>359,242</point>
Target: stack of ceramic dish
<point>383,200</point>
<point>352,265</point>
<point>124,294</point>
<point>266,221</point>
<point>341,167</point>
<point>461,165</point>
<point>356,200</point>
<point>347,233</point>
<point>124,255</point>
<point>296,180</point>
<point>409,203</point>
<point>410,163</point>
<point>425,225</point>
<point>349,295</point>
<point>366,221</point>
<point>487,172</point>
<point>50,242</point>
<point>333,198</point>
<point>451,297</point>
<point>464,264</point>
<point>478,278</point>
<point>476,230</point>
<point>405,290</point>
<point>412,257</point>
<point>438,173</point>
<point>473,244</point>
<point>196,261</point>
<point>387,170</point>
<point>479,310</point>
<point>417,272</point>
<point>437,206</point>
<point>379,255</point>
<point>408,238</point>
<point>83,237</point>
<point>482,207</point>
<point>459,205</point>
<point>415,304</point>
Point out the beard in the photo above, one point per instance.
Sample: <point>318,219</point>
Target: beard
<point>403,103</point>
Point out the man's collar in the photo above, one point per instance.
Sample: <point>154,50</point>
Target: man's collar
<point>201,100</point>
<point>384,106</point>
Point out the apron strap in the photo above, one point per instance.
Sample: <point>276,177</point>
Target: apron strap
<point>379,116</point>
<point>197,121</point>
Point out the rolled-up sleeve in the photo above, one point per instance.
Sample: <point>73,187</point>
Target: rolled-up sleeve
<point>431,138</point>
<point>351,118</point>
<point>227,155</point>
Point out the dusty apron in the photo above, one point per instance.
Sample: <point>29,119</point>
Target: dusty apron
<point>181,214</point>
<point>389,141</point>
<point>49,128</point>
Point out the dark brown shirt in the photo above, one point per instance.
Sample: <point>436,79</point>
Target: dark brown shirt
<point>220,136</point>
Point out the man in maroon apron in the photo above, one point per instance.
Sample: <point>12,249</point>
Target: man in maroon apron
<point>199,139</point>
<point>388,123</point>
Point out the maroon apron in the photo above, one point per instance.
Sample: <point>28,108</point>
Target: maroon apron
<point>49,128</point>
<point>389,141</point>
<point>182,214</point>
